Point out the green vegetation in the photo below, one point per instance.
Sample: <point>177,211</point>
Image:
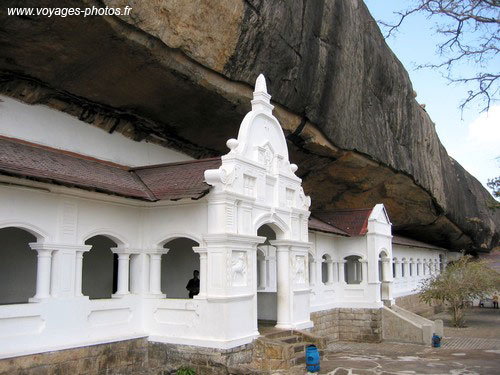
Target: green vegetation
<point>184,370</point>
<point>461,282</point>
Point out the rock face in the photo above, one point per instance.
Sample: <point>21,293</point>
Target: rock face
<point>181,73</point>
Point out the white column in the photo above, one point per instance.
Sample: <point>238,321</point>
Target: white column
<point>203,271</point>
<point>155,273</point>
<point>386,269</point>
<point>79,273</point>
<point>364,271</point>
<point>330,272</point>
<point>397,267</point>
<point>262,273</point>
<point>123,275</point>
<point>335,272</point>
<point>283,287</point>
<point>43,274</point>
<point>405,267</point>
<point>312,272</point>
<point>342,272</point>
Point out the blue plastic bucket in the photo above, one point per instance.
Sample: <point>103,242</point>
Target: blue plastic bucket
<point>436,341</point>
<point>312,358</point>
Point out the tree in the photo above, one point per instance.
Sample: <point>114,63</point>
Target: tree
<point>494,185</point>
<point>470,30</point>
<point>462,281</point>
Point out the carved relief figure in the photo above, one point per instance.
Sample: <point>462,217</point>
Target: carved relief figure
<point>299,270</point>
<point>239,268</point>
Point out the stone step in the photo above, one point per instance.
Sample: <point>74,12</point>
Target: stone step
<point>245,370</point>
<point>279,334</point>
<point>291,339</point>
<point>298,360</point>
<point>300,347</point>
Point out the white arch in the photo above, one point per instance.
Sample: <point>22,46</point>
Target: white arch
<point>112,235</point>
<point>275,222</point>
<point>360,255</point>
<point>159,243</point>
<point>328,256</point>
<point>41,236</point>
<point>384,251</point>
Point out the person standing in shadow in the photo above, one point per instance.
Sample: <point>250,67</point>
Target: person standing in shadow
<point>193,286</point>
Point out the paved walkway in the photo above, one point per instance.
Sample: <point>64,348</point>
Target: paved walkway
<point>466,351</point>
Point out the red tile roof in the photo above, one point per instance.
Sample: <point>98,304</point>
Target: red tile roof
<point>161,182</point>
<point>353,222</point>
<point>321,226</point>
<point>178,180</point>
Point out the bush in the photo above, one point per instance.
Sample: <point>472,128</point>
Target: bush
<point>461,282</point>
<point>186,371</point>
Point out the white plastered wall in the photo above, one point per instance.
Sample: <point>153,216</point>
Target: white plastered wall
<point>45,126</point>
<point>336,292</point>
<point>63,219</point>
<point>425,262</point>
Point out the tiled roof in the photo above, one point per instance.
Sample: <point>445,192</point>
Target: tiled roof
<point>178,180</point>
<point>161,182</point>
<point>321,226</point>
<point>405,241</point>
<point>353,222</point>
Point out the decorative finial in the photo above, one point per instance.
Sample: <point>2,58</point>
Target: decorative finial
<point>232,144</point>
<point>260,84</point>
<point>261,99</point>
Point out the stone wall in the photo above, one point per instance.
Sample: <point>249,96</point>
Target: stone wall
<point>415,305</point>
<point>134,357</point>
<point>348,324</point>
<point>166,358</point>
<point>326,323</point>
<point>123,357</point>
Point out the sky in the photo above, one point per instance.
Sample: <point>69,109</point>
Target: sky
<point>472,138</point>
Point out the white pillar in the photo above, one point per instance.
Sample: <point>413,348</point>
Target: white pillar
<point>330,272</point>
<point>397,267</point>
<point>262,273</point>
<point>342,272</point>
<point>123,274</point>
<point>387,284</point>
<point>283,287</point>
<point>364,271</point>
<point>155,273</point>
<point>335,272</point>
<point>202,251</point>
<point>43,274</point>
<point>79,271</point>
<point>405,268</point>
<point>312,272</point>
<point>386,269</point>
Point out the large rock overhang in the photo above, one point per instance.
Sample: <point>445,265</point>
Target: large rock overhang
<point>345,102</point>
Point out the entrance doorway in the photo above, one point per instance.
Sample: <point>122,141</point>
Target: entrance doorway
<point>266,279</point>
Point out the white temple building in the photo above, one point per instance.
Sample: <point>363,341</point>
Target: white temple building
<point>99,236</point>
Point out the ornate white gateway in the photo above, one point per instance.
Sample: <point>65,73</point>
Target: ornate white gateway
<point>254,186</point>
